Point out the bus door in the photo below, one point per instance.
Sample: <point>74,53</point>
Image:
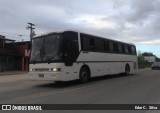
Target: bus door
<point>71,48</point>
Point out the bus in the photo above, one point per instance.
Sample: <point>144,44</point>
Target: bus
<point>69,55</point>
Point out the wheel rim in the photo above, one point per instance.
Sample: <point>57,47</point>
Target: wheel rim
<point>84,76</point>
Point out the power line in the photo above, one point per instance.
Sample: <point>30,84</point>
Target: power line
<point>15,37</point>
<point>14,34</point>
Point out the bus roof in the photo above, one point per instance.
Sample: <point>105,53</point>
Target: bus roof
<point>72,30</point>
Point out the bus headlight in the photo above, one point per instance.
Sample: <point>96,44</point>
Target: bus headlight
<point>55,69</point>
<point>30,69</point>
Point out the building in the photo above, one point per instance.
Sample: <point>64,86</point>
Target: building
<point>23,51</point>
<point>150,59</point>
<point>14,55</point>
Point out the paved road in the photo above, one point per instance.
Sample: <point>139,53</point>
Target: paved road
<point>143,87</point>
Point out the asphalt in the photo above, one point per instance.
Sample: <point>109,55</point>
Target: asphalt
<point>12,73</point>
<point>139,88</point>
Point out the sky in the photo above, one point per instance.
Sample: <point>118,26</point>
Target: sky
<point>133,21</point>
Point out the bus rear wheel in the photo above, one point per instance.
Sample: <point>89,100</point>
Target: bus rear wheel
<point>127,69</point>
<point>84,75</point>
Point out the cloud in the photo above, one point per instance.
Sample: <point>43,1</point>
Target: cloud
<point>151,42</point>
<point>142,10</point>
<point>94,21</point>
<point>134,21</point>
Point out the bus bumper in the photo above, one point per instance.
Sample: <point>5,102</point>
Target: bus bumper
<point>54,76</point>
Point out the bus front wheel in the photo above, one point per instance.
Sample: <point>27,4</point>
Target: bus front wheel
<point>84,75</point>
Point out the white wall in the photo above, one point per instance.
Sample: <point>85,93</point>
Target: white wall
<point>150,58</point>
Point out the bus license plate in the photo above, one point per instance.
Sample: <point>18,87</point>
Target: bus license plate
<point>41,75</point>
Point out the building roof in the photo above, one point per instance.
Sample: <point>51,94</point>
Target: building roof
<point>4,38</point>
<point>23,42</point>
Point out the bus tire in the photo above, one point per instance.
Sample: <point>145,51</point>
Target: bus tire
<point>127,69</point>
<point>84,75</point>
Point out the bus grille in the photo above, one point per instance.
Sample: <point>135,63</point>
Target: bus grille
<point>41,69</point>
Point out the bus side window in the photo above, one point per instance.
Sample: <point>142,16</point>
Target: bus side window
<point>111,47</point>
<point>85,42</point>
<point>126,49</point>
<point>123,48</point>
<point>92,44</point>
<point>115,47</point>
<point>129,50</point>
<point>99,45</point>
<point>107,46</point>
<point>133,50</point>
<point>120,48</point>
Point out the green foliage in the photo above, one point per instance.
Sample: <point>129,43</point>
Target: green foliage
<point>157,59</point>
<point>147,54</point>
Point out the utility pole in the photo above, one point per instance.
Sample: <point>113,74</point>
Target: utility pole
<point>31,26</point>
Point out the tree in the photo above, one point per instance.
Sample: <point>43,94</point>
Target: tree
<point>140,58</point>
<point>157,59</point>
<point>147,54</point>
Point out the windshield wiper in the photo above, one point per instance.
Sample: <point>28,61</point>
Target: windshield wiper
<point>34,60</point>
<point>50,58</point>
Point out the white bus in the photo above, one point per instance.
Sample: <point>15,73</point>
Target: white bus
<point>69,55</point>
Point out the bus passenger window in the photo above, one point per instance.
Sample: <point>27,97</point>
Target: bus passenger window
<point>133,50</point>
<point>126,49</point>
<point>106,46</point>
<point>129,50</point>
<point>115,47</point>
<point>92,44</point>
<point>99,45</point>
<point>119,48</point>
<point>111,47</point>
<point>123,48</point>
<point>85,43</point>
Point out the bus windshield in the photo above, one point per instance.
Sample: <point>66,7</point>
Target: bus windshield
<point>46,49</point>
